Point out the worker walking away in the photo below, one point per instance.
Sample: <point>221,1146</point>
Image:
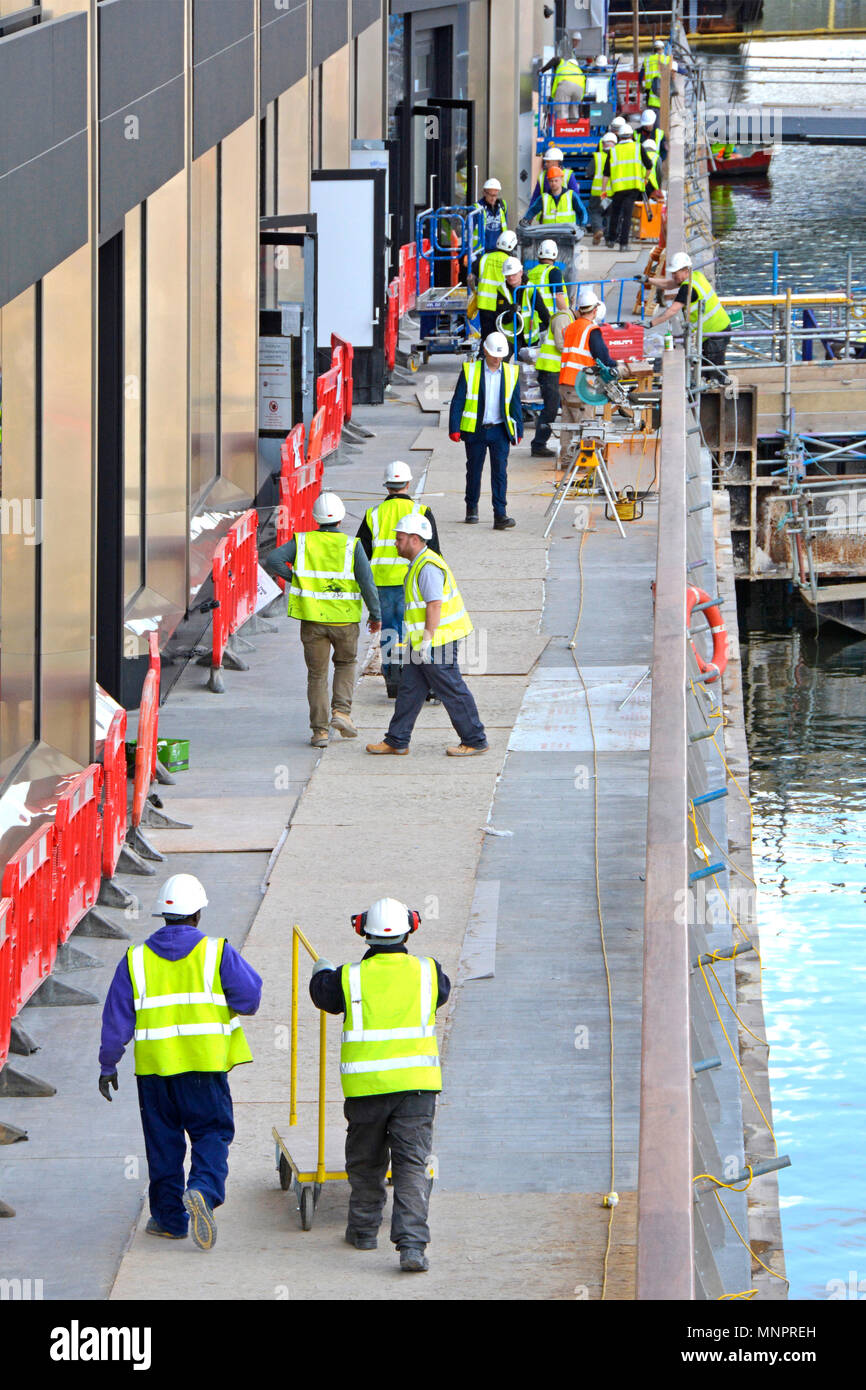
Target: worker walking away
<point>485,413</point>
<point>489,274</point>
<point>494,217</point>
<point>703,299</point>
<point>546,276</point>
<point>599,206</point>
<point>390,1072</point>
<point>622,179</point>
<point>652,130</point>
<point>650,73</point>
<point>582,346</point>
<point>378,541</point>
<point>556,205</point>
<point>178,998</point>
<point>569,82</point>
<point>435,619</point>
<point>328,576</point>
<point>551,159</point>
<point>652,169</point>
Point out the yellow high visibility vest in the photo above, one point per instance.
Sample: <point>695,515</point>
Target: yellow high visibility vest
<point>598,159</point>
<point>472,372</point>
<point>626,170</point>
<point>454,621</point>
<point>568,70</point>
<point>716,318</point>
<point>548,359</point>
<point>558,211</point>
<point>490,278</point>
<point>386,564</point>
<point>182,1020</point>
<point>388,1041</point>
<point>323,587</point>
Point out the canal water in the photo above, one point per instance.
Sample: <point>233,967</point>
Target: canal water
<point>806,704</point>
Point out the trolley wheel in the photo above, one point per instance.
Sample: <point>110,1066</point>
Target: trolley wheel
<point>307,1205</point>
<point>285,1174</point>
<point>414,362</point>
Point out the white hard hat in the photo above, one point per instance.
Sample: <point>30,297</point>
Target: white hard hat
<point>587,298</point>
<point>648,117</point>
<point>619,123</point>
<point>651,145</point>
<point>182,895</point>
<point>576,35</point>
<point>511,266</point>
<point>601,61</point>
<point>548,251</point>
<point>681,260</point>
<point>397,472</point>
<point>415,524</point>
<point>609,138</point>
<point>496,344</point>
<point>492,183</point>
<point>328,510</point>
<point>507,241</point>
<point>554,153</point>
<point>675,67</point>
<point>658,43</point>
<point>386,918</point>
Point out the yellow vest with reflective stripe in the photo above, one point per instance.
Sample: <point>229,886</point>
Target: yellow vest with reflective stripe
<point>323,587</point>
<point>626,170</point>
<point>388,1041</point>
<point>598,158</point>
<point>480,232</point>
<point>387,567</point>
<point>182,1020</point>
<point>568,70</point>
<point>454,621</point>
<point>716,319</point>
<point>651,175</point>
<point>490,278</point>
<point>472,372</point>
<point>652,69</point>
<point>548,359</point>
<point>558,211</point>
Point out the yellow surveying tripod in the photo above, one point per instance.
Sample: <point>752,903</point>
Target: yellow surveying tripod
<point>591,464</point>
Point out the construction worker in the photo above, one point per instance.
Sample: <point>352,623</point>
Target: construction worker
<point>552,158</point>
<point>622,179</point>
<point>516,305</point>
<point>582,346</point>
<point>329,574</point>
<point>557,204</point>
<point>569,82</point>
<point>550,294</point>
<point>599,206</point>
<point>389,1069</point>
<point>488,276</point>
<point>485,413</point>
<point>618,126</point>
<point>494,212</point>
<point>650,127</point>
<point>376,534</point>
<point>435,620</point>
<point>650,73</point>
<point>649,153</point>
<point>178,998</point>
<point>703,299</point>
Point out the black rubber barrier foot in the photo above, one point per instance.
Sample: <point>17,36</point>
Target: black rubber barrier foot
<point>70,958</point>
<point>11,1134</point>
<point>6,1210</point>
<point>55,994</point>
<point>17,1084</point>
<point>111,894</point>
<point>143,846</point>
<point>163,776</point>
<point>158,819</point>
<point>20,1041</point>
<point>95,925</point>
<point>129,862</point>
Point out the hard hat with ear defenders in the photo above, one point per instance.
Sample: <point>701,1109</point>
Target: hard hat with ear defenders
<point>386,918</point>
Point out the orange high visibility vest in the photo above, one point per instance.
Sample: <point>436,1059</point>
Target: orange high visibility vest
<point>575,350</point>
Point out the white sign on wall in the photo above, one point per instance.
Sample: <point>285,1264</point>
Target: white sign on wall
<point>275,384</point>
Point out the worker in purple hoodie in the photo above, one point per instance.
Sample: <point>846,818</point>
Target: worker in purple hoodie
<point>178,997</point>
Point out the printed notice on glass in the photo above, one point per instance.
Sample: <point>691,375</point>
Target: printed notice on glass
<point>275,384</point>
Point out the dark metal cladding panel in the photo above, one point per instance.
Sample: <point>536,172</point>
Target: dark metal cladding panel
<point>222,94</point>
<point>140,149</point>
<point>283,46</point>
<point>365,13</point>
<point>330,28</point>
<point>43,215</point>
<point>217,24</point>
<point>136,54</point>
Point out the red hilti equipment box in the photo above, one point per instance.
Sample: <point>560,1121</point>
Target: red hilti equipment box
<point>628,93</point>
<point>623,342</point>
<point>566,130</point>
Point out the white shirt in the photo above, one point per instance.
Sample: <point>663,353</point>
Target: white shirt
<point>492,403</point>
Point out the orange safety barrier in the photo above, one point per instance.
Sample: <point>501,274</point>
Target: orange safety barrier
<point>391,324</point>
<point>28,880</point>
<point>114,789</point>
<point>7,963</point>
<point>221,614</point>
<point>327,399</point>
<point>154,662</point>
<point>348,352</point>
<point>147,720</point>
<point>78,849</point>
<point>245,569</point>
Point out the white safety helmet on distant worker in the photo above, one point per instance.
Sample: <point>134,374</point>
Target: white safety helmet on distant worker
<point>328,510</point>
<point>609,139</point>
<point>182,896</point>
<point>511,266</point>
<point>548,251</point>
<point>601,61</point>
<point>493,184</point>
<point>619,123</point>
<point>587,298</point>
<point>387,919</point>
<point>496,344</point>
<point>507,242</point>
<point>681,260</point>
<point>415,524</point>
<point>658,43</point>
<point>397,474</point>
<point>648,117</point>
<point>554,154</point>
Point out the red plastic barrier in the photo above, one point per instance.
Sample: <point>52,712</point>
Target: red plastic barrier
<point>423,268</point>
<point>391,324</point>
<point>327,399</point>
<point>403,279</point>
<point>154,664</point>
<point>28,880</point>
<point>7,963</point>
<point>147,721</point>
<point>114,787</point>
<point>78,849</point>
<point>348,356</point>
<point>222,613</point>
<point>245,569</point>
<point>455,264</point>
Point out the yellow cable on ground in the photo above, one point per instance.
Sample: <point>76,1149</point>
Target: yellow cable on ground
<point>571,647</point>
<point>731,1188</point>
<point>736,1058</point>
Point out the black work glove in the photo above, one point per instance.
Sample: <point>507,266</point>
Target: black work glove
<point>105,1082</point>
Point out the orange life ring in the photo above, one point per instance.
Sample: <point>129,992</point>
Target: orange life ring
<point>712,669</point>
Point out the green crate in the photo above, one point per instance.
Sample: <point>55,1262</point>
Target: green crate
<point>173,753</point>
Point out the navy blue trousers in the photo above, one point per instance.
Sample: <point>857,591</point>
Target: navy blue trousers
<point>391,638</point>
<point>194,1103</point>
<point>495,438</point>
<point>443,678</point>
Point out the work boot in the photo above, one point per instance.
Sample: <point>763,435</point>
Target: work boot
<point>541,451</point>
<point>413,1260</point>
<point>386,748</point>
<point>361,1242</point>
<point>471,515</point>
<point>320,738</point>
<point>503,523</point>
<point>464,750</point>
<point>596,238</point>
<point>203,1229</point>
<point>343,721</point>
<point>153,1228</point>
<point>610,245</point>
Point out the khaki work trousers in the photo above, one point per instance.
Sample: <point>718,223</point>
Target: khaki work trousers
<point>574,412</point>
<point>319,640</point>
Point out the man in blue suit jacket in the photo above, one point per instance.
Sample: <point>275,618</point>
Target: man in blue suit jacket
<point>486,414</point>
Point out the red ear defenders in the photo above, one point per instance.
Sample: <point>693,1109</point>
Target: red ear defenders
<point>359,921</point>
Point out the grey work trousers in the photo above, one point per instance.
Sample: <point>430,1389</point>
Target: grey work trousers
<point>319,640</point>
<point>399,1124</point>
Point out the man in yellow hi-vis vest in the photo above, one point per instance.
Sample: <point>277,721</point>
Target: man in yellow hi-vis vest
<point>389,1069</point>
<point>178,998</point>
<point>696,298</point>
<point>434,621</point>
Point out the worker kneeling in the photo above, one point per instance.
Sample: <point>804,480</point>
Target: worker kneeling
<point>389,1068</point>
